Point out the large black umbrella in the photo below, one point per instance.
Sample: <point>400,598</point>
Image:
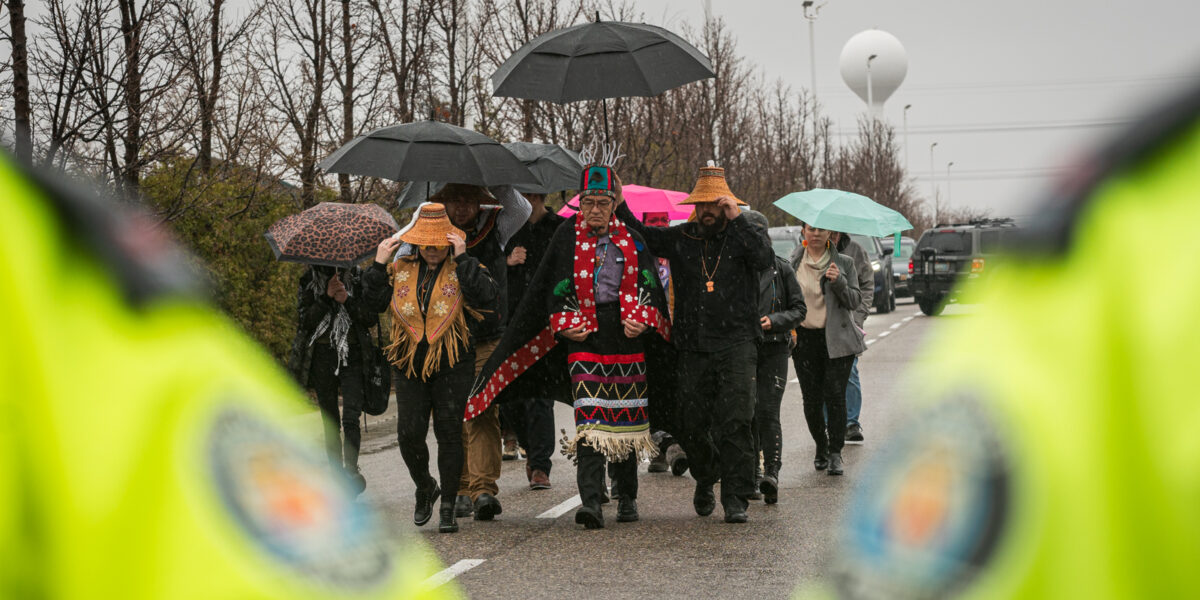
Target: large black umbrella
<point>606,59</point>
<point>331,234</point>
<point>600,60</point>
<point>429,151</point>
<point>555,167</point>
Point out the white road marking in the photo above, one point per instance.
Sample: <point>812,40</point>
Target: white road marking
<point>562,509</point>
<point>869,342</point>
<point>907,319</point>
<point>458,568</point>
<point>885,334</point>
<point>897,325</point>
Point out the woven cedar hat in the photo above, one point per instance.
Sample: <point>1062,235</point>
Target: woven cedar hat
<point>710,185</point>
<point>430,226</point>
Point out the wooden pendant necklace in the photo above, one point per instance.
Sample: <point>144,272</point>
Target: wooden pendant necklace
<point>709,285</point>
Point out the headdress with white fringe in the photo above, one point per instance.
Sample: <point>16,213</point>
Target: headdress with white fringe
<point>599,178</point>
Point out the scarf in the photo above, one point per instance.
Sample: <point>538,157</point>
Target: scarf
<point>810,275</point>
<point>336,322</point>
<point>634,297</point>
<point>443,324</point>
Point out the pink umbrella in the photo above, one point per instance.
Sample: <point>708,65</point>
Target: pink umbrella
<point>642,200</point>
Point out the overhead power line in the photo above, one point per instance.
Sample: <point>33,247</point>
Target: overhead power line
<point>1002,127</point>
<point>1037,86</point>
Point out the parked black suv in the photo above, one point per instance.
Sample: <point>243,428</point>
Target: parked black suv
<point>949,257</point>
<point>881,264</point>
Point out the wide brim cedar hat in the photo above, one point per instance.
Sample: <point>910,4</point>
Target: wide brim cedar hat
<point>430,226</point>
<point>710,185</point>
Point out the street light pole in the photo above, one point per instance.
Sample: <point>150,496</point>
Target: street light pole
<point>933,182</point>
<point>948,165</point>
<point>811,12</point>
<point>906,107</point>
<point>870,91</point>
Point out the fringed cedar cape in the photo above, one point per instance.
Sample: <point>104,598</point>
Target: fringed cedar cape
<point>560,297</point>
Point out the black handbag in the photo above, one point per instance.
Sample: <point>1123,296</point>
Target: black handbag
<point>378,386</point>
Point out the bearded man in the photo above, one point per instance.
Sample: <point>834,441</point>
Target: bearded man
<point>715,266</point>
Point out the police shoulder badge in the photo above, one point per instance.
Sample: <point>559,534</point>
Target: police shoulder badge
<point>931,508</point>
<point>283,496</point>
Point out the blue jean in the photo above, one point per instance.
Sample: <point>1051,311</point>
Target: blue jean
<point>853,396</point>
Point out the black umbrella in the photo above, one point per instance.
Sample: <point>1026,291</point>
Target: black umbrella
<point>595,61</point>
<point>331,234</point>
<point>555,167</point>
<point>429,151</point>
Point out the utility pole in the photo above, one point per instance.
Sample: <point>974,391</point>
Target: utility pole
<point>948,165</point>
<point>811,11</point>
<point>933,182</point>
<point>906,107</point>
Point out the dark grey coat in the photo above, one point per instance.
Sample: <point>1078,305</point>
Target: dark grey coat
<point>842,297</point>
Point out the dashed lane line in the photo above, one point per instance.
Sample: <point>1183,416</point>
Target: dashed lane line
<point>562,508</point>
<point>458,568</point>
<point>896,325</point>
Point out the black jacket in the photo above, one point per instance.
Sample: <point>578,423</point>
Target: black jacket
<point>711,321</point>
<point>534,238</point>
<point>312,308</point>
<point>780,299</point>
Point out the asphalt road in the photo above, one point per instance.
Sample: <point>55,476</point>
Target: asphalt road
<point>535,549</point>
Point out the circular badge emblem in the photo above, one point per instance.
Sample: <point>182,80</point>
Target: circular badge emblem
<point>283,496</point>
<point>931,509</point>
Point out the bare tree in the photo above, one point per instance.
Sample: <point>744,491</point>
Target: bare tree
<point>295,57</point>
<point>22,135</point>
<point>200,50</point>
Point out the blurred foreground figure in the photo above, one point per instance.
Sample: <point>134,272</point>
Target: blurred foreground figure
<point>142,453</point>
<point>1058,457</point>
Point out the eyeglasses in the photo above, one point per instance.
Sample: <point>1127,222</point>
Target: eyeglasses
<point>598,203</point>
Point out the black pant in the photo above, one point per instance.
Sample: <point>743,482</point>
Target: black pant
<point>445,395</point>
<point>772,379</point>
<point>716,393</point>
<point>589,475</point>
<point>532,416</point>
<point>823,385</point>
<point>350,379</point>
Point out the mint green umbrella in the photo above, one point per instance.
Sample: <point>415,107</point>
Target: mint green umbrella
<point>846,212</point>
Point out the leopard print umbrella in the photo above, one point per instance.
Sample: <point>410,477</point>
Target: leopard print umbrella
<point>331,233</point>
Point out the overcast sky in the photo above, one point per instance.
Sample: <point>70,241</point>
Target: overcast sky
<point>1052,69</point>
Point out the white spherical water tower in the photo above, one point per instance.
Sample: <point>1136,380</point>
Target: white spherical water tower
<point>873,64</point>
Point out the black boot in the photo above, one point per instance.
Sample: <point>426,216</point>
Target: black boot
<point>590,517</point>
<point>704,500</point>
<point>487,507</point>
<point>735,510</point>
<point>835,463</point>
<point>425,497</point>
<point>358,483</point>
<point>447,524</point>
<point>463,507</point>
<point>755,494</point>
<point>678,460</point>
<point>769,485</point>
<point>821,462</point>
<point>627,510</point>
